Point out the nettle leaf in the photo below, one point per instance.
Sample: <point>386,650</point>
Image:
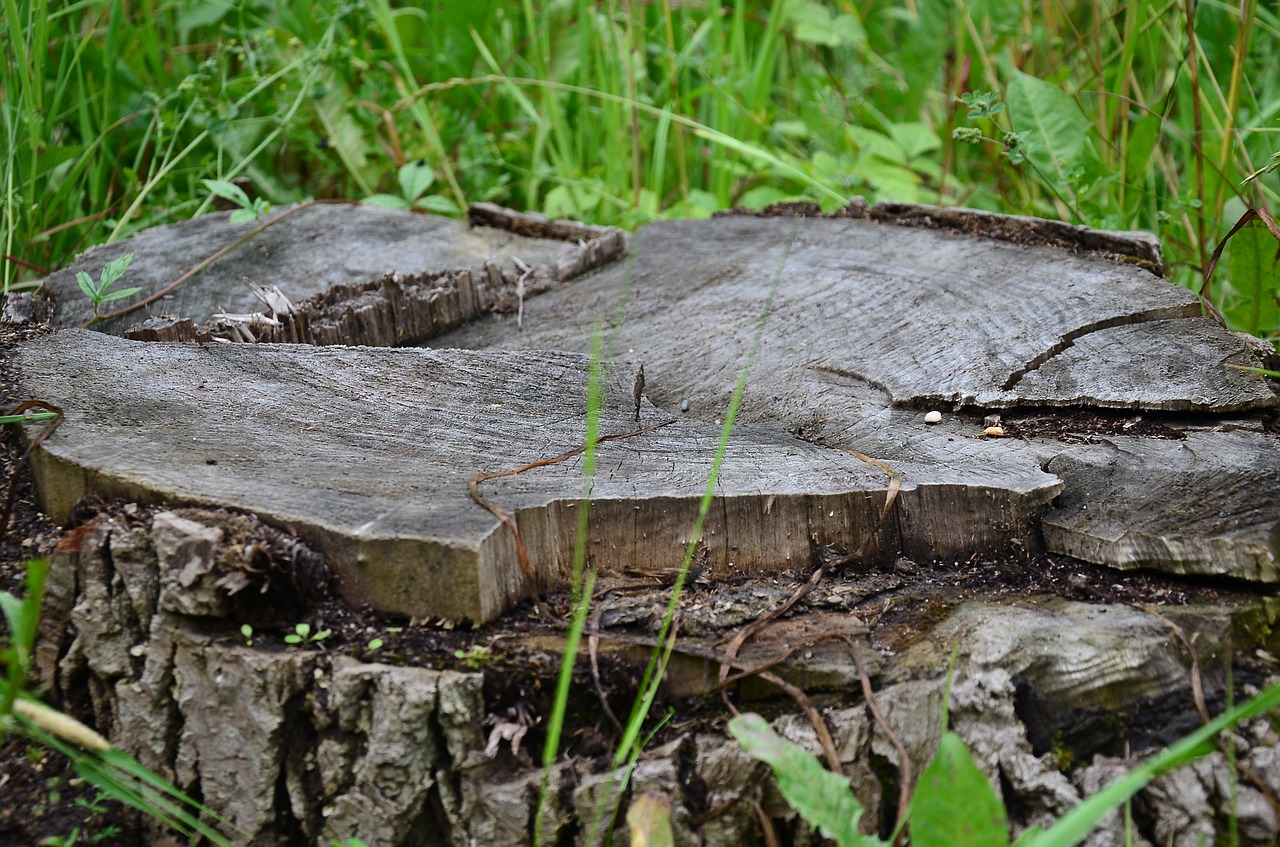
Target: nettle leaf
<point>1057,136</point>
<point>86,285</point>
<point>954,803</point>
<point>821,797</point>
<point>227,191</point>
<point>114,269</point>
<point>415,178</point>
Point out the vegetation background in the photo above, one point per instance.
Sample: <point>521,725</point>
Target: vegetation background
<point>1154,114</point>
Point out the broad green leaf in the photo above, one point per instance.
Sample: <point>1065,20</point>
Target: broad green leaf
<point>119,295</point>
<point>87,286</point>
<point>388,201</point>
<point>1253,280</point>
<point>227,191</point>
<point>1057,133</point>
<point>240,216</point>
<point>821,797</point>
<point>439,204</point>
<point>954,803</point>
<point>915,139</point>
<point>415,178</point>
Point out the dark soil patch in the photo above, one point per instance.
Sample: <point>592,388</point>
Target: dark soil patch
<point>1076,426</point>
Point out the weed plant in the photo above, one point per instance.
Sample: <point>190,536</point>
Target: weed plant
<point>1137,115</point>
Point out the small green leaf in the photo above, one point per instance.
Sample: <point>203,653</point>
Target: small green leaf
<point>387,201</point>
<point>821,797</point>
<point>119,295</point>
<point>303,629</point>
<point>321,635</point>
<point>227,191</point>
<point>375,644</point>
<point>240,216</point>
<point>954,803</point>
<point>293,639</point>
<point>415,178</point>
<point>114,269</point>
<point>87,286</point>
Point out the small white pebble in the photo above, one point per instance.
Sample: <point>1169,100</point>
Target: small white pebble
<point>933,417</point>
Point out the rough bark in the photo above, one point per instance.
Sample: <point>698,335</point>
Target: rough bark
<point>307,746</point>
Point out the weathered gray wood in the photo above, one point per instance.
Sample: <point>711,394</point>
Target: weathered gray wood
<point>924,316</point>
<point>369,451</point>
<point>868,319</point>
<point>1205,505</point>
<point>354,274</point>
<point>865,330</point>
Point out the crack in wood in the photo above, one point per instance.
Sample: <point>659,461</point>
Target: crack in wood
<point>1162,313</point>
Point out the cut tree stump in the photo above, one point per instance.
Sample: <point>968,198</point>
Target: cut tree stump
<point>369,453</point>
<point>1088,412</point>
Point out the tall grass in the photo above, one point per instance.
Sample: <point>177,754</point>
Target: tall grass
<point>1144,115</point>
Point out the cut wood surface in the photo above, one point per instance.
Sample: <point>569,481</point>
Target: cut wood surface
<point>369,452</point>
<point>348,274</point>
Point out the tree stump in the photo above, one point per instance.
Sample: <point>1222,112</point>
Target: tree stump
<point>408,398</point>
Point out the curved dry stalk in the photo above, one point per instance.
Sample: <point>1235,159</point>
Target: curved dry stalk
<point>199,266</point>
<point>45,432</point>
<point>473,486</point>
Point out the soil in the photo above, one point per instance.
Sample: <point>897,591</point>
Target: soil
<point>40,799</point>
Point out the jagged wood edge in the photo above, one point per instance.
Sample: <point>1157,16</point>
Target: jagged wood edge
<point>398,309</point>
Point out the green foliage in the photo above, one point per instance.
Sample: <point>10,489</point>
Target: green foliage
<point>100,292</point>
<point>954,803</point>
<point>250,210</point>
<point>116,114</point>
<point>415,178</point>
<point>821,797</point>
<point>303,635</point>
<point>1253,281</point>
